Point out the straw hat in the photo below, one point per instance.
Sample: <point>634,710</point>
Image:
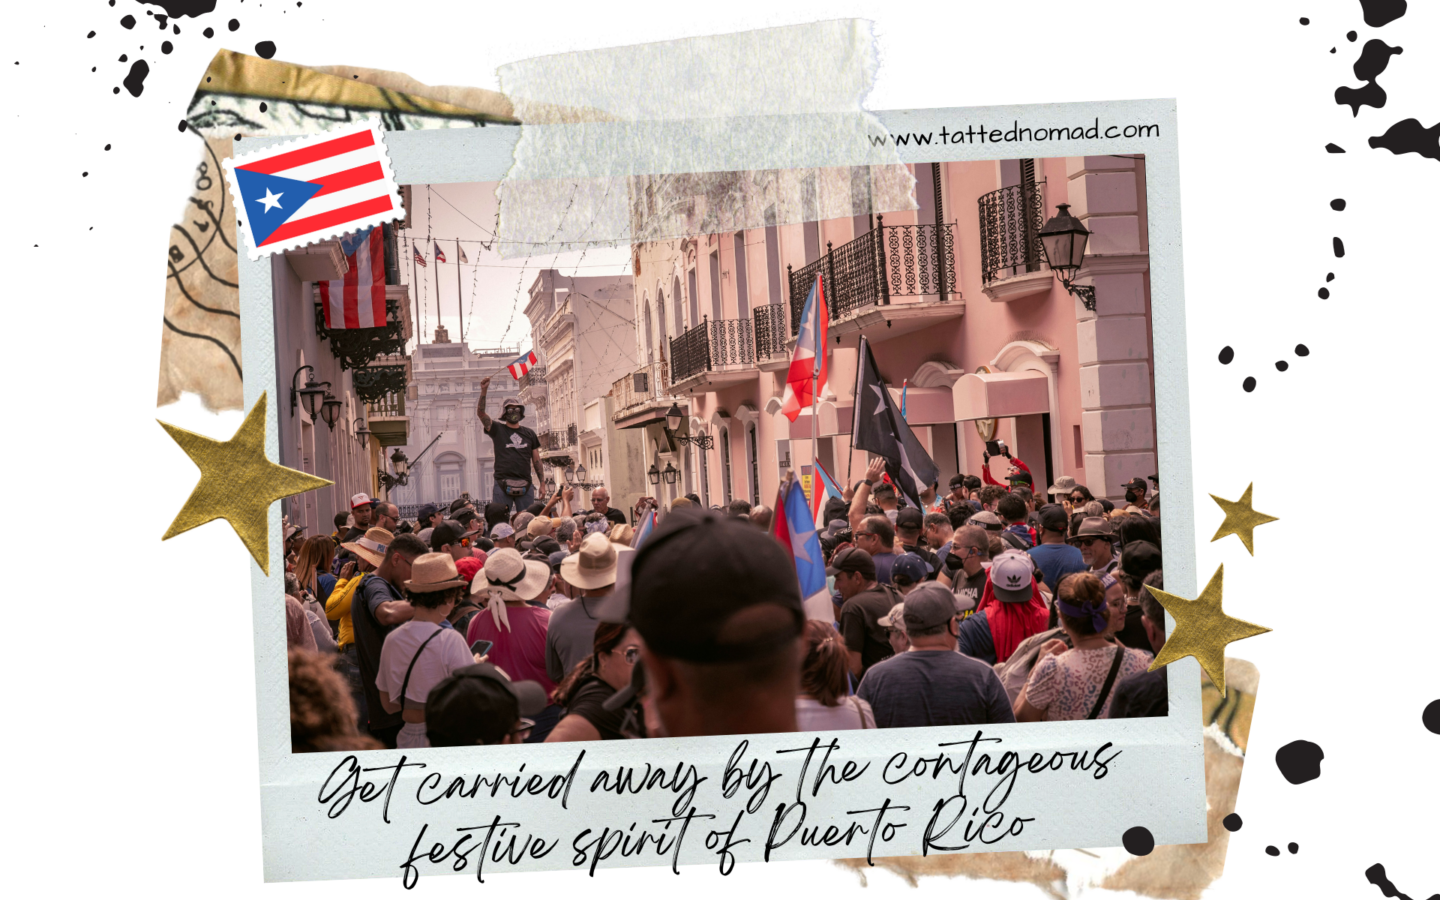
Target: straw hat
<point>512,576</point>
<point>1063,485</point>
<point>433,572</point>
<point>371,547</point>
<point>594,565</point>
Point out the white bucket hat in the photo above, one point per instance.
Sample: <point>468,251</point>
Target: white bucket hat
<point>508,576</point>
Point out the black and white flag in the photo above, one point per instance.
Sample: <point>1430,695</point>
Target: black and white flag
<point>880,429</point>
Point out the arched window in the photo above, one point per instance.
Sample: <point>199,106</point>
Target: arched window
<point>725,465</point>
<point>649,335</point>
<point>679,301</point>
<point>752,451</point>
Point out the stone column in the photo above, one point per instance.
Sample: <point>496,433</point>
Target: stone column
<point>1118,406</point>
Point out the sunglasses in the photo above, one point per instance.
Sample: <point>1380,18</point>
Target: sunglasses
<point>524,728</point>
<point>632,654</point>
<point>1086,542</point>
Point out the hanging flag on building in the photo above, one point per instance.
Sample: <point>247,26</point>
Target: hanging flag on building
<point>420,257</point>
<point>796,533</point>
<point>826,488</point>
<point>522,365</point>
<point>801,383</point>
<point>879,428</point>
<point>439,254</point>
<point>313,188</point>
<point>461,251</point>
<point>358,299</point>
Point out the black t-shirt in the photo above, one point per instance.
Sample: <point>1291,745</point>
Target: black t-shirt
<point>1140,696</point>
<point>1133,634</point>
<point>588,703</point>
<point>514,448</point>
<point>861,628</point>
<point>613,514</point>
<point>369,639</point>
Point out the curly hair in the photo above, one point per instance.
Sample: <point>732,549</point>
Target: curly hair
<point>322,715</point>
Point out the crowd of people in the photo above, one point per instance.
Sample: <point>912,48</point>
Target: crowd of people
<point>484,624</point>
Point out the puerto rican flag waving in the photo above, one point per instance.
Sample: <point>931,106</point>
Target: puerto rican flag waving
<point>796,533</point>
<point>522,365</point>
<point>314,188</point>
<point>357,300</point>
<point>439,254</point>
<point>801,383</point>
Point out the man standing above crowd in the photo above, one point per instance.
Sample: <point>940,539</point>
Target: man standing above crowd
<point>1055,558</point>
<point>931,684</point>
<point>517,450</point>
<point>379,606</point>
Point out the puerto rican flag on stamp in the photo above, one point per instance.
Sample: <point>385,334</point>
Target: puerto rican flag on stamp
<point>313,188</point>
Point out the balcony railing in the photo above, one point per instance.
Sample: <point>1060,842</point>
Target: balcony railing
<point>769,331</point>
<point>1010,222</point>
<point>391,405</point>
<point>558,440</point>
<point>648,384</point>
<point>712,345</point>
<point>886,261</point>
<point>536,375</point>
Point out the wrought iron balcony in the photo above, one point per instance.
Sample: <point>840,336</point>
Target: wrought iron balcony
<point>722,344</point>
<point>887,261</point>
<point>769,331</point>
<point>374,382</point>
<point>356,347</point>
<point>536,376</point>
<point>386,406</point>
<point>647,384</point>
<point>558,440</point>
<point>1010,221</point>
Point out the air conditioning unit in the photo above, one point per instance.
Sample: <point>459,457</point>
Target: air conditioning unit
<point>641,382</point>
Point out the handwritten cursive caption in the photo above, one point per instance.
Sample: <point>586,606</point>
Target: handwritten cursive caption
<point>763,802</point>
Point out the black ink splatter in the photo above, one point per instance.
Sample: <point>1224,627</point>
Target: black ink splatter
<point>1248,384</point>
<point>1351,36</point>
<point>1332,49</point>
<point>107,146</point>
<point>264,106</point>
<point>1324,293</point>
<point>233,25</point>
<point>1293,847</point>
<point>1337,204</point>
<point>1304,21</point>
<point>265,49</point>
<point>1431,717</point>
<point>1338,246</point>
<point>84,174</point>
<point>1334,148</point>
<point>1232,822</point>
<point>1376,876</point>
<point>1227,354</point>
<point>1302,350</point>
<point>90,35</point>
<point>1379,13</point>
<point>135,81</point>
<point>178,8</point>
<point>1299,761</point>
<point>1281,365</point>
<point>1329,276</point>
<point>209,32</point>
<point>1372,62</point>
<point>127,22</point>
<point>1273,850</point>
<point>1371,94</point>
<point>1409,136</point>
<point>166,47</point>
<point>1138,841</point>
<point>124,57</point>
<point>184,124</point>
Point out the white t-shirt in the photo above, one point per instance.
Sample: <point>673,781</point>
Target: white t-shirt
<point>852,714</point>
<point>442,656</point>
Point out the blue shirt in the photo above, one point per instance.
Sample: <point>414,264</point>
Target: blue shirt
<point>884,563</point>
<point>1056,561</point>
<point>974,638</point>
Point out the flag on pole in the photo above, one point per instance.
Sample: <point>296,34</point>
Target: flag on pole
<point>420,257</point>
<point>642,531</point>
<point>796,533</point>
<point>439,254</point>
<point>358,299</point>
<point>879,428</point>
<point>313,188</point>
<point>904,391</point>
<point>825,488</point>
<point>801,383</point>
<point>522,365</point>
<point>461,250</point>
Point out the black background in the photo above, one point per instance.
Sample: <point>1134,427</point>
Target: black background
<point>1335,445</point>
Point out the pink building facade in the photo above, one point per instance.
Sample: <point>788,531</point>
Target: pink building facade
<point>954,297</point>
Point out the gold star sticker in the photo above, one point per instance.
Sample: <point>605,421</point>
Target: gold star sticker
<point>1202,629</point>
<point>237,483</point>
<point>1241,519</point>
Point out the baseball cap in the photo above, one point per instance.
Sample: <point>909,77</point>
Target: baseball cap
<point>1012,575</point>
<point>1139,558</point>
<point>458,504</point>
<point>895,618</point>
<point>1019,477</point>
<point>478,704</point>
<point>910,519</point>
<point>1053,518</point>
<point>555,559</point>
<point>427,511</point>
<point>695,582</point>
<point>360,500</point>
<point>957,480</point>
<point>444,533</point>
<point>927,606</point>
<point>501,531</point>
<point>909,566</point>
<point>1137,482</point>
<point>851,559</point>
<point>540,525</point>
<point>986,520</point>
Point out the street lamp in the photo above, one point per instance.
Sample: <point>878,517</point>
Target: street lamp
<point>1063,240</point>
<point>673,418</point>
<point>330,410</point>
<point>569,474</point>
<point>362,432</point>
<point>654,473</point>
<point>670,473</point>
<point>311,393</point>
<point>401,465</point>
<point>580,474</point>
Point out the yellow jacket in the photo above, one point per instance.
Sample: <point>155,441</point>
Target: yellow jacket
<point>337,608</point>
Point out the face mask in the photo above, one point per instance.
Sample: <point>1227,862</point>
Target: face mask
<point>1130,497</point>
<point>513,414</point>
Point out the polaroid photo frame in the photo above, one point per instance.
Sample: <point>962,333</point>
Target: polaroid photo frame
<point>716,801</point>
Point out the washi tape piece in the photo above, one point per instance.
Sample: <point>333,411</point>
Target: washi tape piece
<point>313,188</point>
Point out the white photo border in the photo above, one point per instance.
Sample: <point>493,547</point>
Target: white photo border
<point>1157,780</point>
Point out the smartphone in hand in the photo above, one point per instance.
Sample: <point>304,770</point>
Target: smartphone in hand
<point>480,648</point>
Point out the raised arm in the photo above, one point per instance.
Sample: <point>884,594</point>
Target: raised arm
<point>480,405</point>
<point>862,492</point>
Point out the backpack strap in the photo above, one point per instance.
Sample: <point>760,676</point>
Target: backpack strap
<point>1109,683</point>
<point>406,683</point>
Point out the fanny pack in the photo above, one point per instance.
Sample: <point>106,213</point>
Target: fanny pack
<point>515,487</point>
